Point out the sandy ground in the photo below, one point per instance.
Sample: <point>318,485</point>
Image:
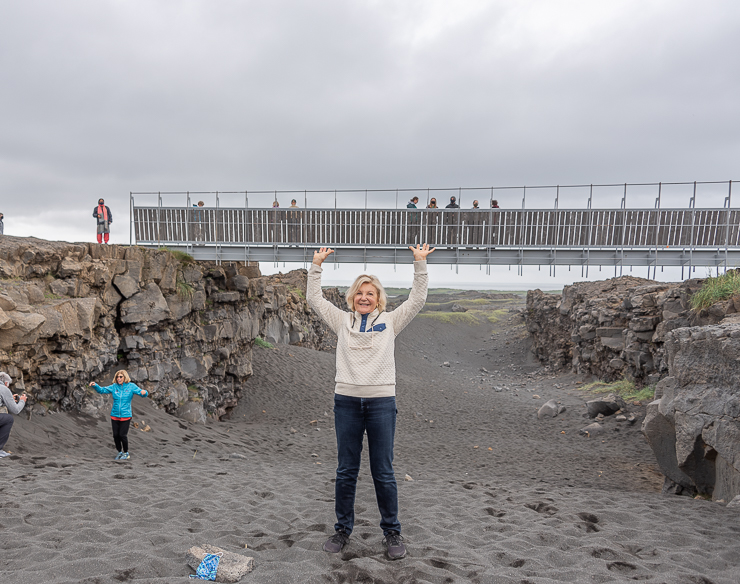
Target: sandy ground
<point>497,495</point>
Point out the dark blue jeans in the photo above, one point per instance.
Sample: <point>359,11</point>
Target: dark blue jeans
<point>353,416</point>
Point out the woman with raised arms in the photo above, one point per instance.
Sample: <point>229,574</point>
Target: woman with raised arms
<point>365,391</point>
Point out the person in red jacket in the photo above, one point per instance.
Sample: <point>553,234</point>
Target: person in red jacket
<point>105,218</point>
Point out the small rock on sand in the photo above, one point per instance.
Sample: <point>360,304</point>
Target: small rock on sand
<point>548,409</point>
<point>592,430</point>
<point>231,567</point>
<point>606,406</point>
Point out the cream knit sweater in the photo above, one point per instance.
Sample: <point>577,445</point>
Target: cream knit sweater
<point>366,365</point>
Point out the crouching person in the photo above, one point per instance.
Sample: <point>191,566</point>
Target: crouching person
<point>10,403</point>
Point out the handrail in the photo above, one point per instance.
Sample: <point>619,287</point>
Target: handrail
<point>530,194</point>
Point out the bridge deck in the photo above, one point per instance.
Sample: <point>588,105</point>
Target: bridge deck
<point>685,236</point>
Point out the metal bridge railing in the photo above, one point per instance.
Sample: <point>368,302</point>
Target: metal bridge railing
<point>499,228</point>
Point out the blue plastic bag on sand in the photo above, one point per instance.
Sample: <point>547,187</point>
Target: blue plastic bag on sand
<point>207,568</point>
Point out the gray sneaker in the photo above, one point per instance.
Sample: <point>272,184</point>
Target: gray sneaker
<point>3,454</point>
<point>336,542</point>
<point>395,547</point>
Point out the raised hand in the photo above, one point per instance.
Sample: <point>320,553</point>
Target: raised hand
<point>321,255</point>
<point>421,252</point>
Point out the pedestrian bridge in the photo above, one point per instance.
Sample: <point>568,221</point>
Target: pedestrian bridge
<point>679,236</point>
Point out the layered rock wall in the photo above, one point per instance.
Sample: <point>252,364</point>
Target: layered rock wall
<point>614,328</point>
<point>74,313</point>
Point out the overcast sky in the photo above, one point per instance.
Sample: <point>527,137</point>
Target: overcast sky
<point>100,98</point>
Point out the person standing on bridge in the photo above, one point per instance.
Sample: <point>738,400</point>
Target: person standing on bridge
<point>365,391</point>
<point>105,218</point>
<point>452,220</point>
<point>413,221</point>
<point>294,221</point>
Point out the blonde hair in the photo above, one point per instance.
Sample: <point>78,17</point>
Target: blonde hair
<point>367,279</point>
<point>126,378</point>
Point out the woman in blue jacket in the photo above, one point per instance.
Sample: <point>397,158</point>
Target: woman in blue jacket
<point>123,392</point>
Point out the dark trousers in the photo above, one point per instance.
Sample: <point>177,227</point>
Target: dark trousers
<point>353,416</point>
<point>120,434</point>
<point>6,423</point>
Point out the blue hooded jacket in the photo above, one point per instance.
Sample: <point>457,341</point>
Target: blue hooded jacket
<point>122,396</point>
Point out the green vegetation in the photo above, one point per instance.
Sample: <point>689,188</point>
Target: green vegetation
<point>472,317</point>
<point>497,315</point>
<point>297,291</point>
<point>194,393</point>
<point>180,256</point>
<point>50,296</point>
<point>263,343</point>
<point>623,387</point>
<point>716,289</point>
<point>393,291</point>
<point>473,303</point>
<point>451,317</point>
<point>185,290</point>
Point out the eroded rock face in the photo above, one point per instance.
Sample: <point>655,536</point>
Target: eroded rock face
<point>615,328</point>
<point>694,426</point>
<point>74,313</point>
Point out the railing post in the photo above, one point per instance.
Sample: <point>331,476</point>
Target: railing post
<point>159,219</point>
<point>131,226</point>
<point>187,217</point>
<point>728,204</point>
<point>657,229</point>
<point>590,227</point>
<point>624,226</point>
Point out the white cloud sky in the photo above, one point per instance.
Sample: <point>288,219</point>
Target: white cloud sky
<point>104,97</point>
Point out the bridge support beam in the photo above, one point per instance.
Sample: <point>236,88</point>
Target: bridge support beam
<point>467,256</point>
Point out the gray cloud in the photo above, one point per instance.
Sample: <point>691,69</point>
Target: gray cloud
<point>106,97</point>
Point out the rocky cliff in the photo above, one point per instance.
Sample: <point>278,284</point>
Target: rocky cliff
<point>614,328</point>
<point>185,331</point>
<point>646,332</point>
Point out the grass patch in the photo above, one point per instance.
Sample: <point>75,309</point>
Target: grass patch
<point>180,256</point>
<point>451,317</point>
<point>184,290</point>
<point>297,291</point>
<point>260,342</point>
<point>471,317</point>
<point>623,387</point>
<point>497,315</point>
<point>716,289</point>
